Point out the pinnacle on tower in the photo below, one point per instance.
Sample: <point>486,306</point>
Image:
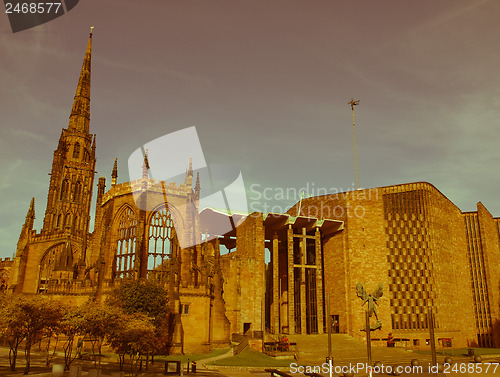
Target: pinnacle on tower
<point>114,173</point>
<point>79,119</point>
<point>197,186</point>
<point>31,212</point>
<point>145,166</point>
<point>27,227</point>
<point>190,172</point>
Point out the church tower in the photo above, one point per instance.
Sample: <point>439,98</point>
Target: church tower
<point>73,167</point>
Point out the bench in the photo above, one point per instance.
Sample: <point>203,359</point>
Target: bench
<point>276,373</point>
<point>280,347</point>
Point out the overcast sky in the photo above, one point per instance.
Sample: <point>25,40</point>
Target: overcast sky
<point>266,83</point>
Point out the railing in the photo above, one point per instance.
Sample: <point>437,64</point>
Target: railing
<point>241,346</point>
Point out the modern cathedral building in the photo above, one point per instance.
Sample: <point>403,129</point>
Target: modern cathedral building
<point>426,253</point>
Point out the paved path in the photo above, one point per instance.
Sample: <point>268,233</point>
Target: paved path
<point>229,353</point>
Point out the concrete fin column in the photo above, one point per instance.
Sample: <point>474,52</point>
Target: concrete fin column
<point>291,298</point>
<point>319,280</point>
<point>275,309</point>
<point>303,303</point>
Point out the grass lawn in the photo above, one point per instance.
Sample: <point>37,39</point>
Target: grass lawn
<point>194,357</point>
<point>249,358</point>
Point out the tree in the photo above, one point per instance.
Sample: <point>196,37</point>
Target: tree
<point>29,318</point>
<point>135,336</point>
<point>40,317</point>
<point>141,296</point>
<point>150,299</point>
<point>71,325</point>
<point>98,321</point>
<point>11,326</point>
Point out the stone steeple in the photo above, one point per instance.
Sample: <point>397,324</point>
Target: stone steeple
<point>79,118</point>
<point>72,175</point>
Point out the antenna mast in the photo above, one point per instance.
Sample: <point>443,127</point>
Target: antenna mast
<point>356,166</point>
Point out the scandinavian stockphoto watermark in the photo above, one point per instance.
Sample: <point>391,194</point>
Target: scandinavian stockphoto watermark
<point>26,14</point>
<point>279,199</point>
<point>178,157</point>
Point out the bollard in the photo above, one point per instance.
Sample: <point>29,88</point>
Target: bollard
<point>193,367</point>
<point>395,370</point>
<point>448,360</point>
<point>75,371</point>
<point>414,363</point>
<point>478,359</point>
<point>57,370</point>
<point>94,373</point>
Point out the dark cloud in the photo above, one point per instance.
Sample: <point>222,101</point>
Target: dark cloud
<point>266,83</point>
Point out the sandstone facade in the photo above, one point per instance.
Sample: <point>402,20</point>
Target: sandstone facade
<point>280,269</point>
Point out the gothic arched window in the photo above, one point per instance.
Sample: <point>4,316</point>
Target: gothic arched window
<point>125,252</point>
<point>47,266</point>
<point>58,223</point>
<point>162,242</point>
<point>76,150</point>
<point>78,192</point>
<point>67,221</point>
<point>64,189</point>
<point>4,280</point>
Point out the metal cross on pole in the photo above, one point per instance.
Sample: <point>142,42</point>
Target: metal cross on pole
<point>356,166</point>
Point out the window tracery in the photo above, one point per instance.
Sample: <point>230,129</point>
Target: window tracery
<point>162,243</point>
<point>78,192</point>
<point>76,150</point>
<point>125,253</point>
<point>47,266</point>
<point>64,189</point>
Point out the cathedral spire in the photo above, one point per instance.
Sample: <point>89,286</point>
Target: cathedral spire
<point>114,173</point>
<point>80,113</point>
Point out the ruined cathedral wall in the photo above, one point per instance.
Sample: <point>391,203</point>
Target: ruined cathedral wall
<point>230,269</point>
<point>244,278</point>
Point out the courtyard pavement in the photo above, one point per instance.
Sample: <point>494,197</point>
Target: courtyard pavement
<point>312,351</point>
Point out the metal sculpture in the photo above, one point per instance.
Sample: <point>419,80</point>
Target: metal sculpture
<point>371,299</point>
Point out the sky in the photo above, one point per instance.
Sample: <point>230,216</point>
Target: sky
<point>266,84</point>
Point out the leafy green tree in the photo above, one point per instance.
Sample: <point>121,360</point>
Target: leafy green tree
<point>28,318</point>
<point>141,296</point>
<point>11,326</point>
<point>98,321</point>
<point>40,317</point>
<point>135,337</point>
<point>150,299</point>
<point>71,324</point>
